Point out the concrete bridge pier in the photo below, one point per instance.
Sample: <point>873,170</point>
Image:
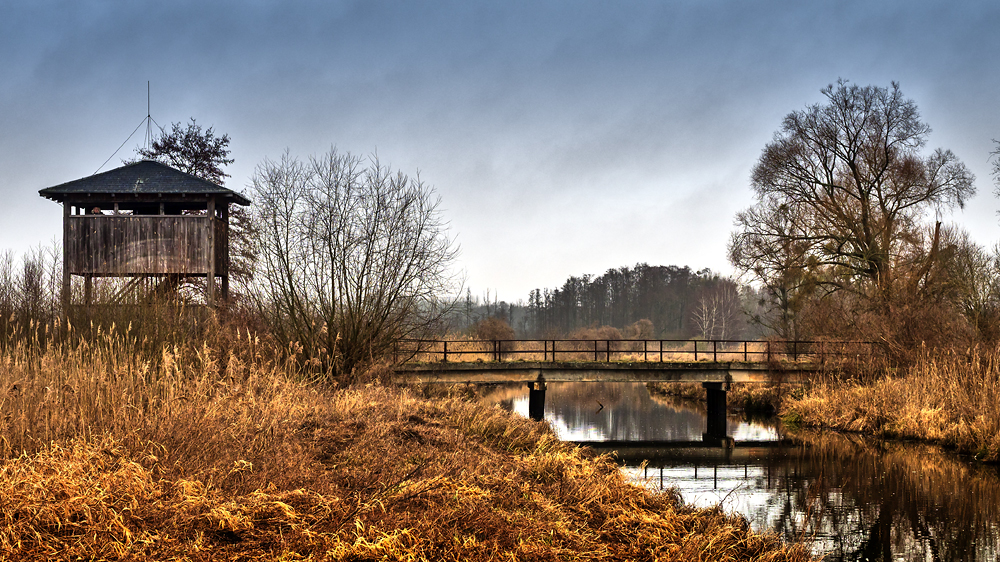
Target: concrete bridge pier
<point>536,400</point>
<point>716,401</point>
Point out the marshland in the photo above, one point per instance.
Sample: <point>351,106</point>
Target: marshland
<point>234,397</point>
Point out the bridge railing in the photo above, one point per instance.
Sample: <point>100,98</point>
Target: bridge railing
<point>428,351</point>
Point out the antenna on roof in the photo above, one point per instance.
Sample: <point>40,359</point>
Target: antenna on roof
<point>148,120</point>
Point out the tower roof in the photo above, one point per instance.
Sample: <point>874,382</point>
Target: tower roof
<point>143,178</point>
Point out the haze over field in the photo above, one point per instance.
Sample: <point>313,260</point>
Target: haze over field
<point>564,139</point>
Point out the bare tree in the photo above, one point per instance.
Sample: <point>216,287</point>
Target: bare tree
<point>352,256</point>
<point>717,312</point>
<point>29,290</point>
<point>995,157</point>
<point>969,278</point>
<point>840,192</point>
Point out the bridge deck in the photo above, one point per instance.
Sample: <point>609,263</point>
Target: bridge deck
<point>598,371</point>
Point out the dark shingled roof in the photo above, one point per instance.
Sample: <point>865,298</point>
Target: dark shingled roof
<point>142,178</point>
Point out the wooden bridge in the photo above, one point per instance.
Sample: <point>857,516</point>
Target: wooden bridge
<point>716,364</point>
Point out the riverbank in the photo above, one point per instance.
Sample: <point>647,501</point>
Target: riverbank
<point>108,454</point>
<point>945,398</point>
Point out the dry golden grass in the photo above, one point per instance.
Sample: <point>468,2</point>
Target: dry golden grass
<point>945,397</point>
<point>192,456</point>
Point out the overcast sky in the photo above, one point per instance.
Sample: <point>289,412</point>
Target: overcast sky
<point>563,137</point>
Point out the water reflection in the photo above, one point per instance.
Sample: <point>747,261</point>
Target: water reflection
<point>851,498</point>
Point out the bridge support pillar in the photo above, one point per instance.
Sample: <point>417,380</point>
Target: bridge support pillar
<point>536,401</point>
<point>716,400</point>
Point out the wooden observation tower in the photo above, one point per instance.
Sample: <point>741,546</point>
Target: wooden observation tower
<point>146,225</point>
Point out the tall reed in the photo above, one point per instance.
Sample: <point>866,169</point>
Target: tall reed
<point>945,396</point>
<point>111,453</point>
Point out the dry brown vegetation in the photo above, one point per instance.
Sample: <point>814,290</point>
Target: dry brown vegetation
<point>944,397</point>
<point>193,454</point>
<point>492,328</point>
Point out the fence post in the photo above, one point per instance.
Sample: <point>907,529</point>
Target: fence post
<point>745,351</point>
<point>645,352</point>
<point>553,351</point>
<point>715,351</point>
<point>595,351</point>
<point>446,351</point>
<point>695,350</point>
<point>661,351</point>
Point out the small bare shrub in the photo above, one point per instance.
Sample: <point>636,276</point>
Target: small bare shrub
<point>596,333</point>
<point>640,330</point>
<point>492,328</point>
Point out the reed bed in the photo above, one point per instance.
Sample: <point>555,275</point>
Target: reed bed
<point>945,397</point>
<point>193,454</point>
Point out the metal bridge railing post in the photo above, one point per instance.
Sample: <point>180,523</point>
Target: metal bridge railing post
<point>445,351</point>
<point>745,351</point>
<point>695,350</point>
<point>645,351</point>
<point>595,351</point>
<point>661,351</point>
<point>715,351</point>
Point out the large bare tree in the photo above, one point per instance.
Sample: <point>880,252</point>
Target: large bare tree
<point>841,190</point>
<point>352,256</point>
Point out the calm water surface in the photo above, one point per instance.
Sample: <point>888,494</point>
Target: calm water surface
<point>847,497</point>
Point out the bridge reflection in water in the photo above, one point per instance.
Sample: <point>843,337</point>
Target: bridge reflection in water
<point>848,497</point>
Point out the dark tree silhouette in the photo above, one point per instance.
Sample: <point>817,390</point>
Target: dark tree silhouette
<point>192,150</point>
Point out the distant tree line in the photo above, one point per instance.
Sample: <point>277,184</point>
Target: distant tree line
<point>667,296</point>
<point>644,301</point>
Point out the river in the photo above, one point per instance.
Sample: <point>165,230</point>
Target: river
<point>846,497</point>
